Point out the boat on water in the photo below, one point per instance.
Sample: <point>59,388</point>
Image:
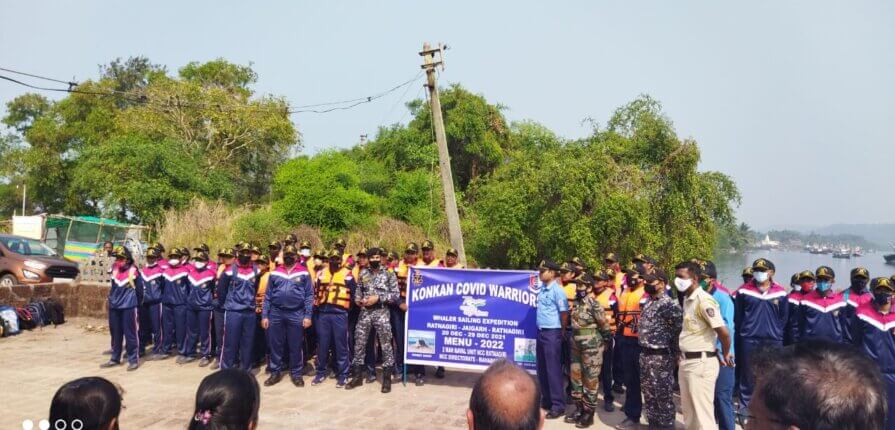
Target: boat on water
<point>857,252</point>
<point>842,253</point>
<point>890,258</point>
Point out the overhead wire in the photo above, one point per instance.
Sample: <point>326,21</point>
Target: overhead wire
<point>140,97</point>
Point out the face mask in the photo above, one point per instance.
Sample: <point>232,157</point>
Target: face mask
<point>151,263</point>
<point>859,283</point>
<point>824,286</point>
<point>704,284</point>
<point>334,267</point>
<point>796,287</point>
<point>173,261</point>
<point>682,284</point>
<point>650,289</point>
<point>289,260</point>
<point>374,264</point>
<point>881,299</point>
<point>760,277</point>
<point>580,294</point>
<point>200,265</point>
<point>632,282</point>
<point>244,259</point>
<point>305,252</point>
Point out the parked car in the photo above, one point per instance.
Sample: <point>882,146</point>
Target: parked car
<point>30,261</point>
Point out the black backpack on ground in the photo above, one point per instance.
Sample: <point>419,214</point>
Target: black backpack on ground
<point>54,311</point>
<point>26,320</point>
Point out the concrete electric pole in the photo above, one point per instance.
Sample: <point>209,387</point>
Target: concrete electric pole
<point>444,158</point>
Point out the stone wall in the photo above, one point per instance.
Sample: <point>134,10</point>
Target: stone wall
<point>79,300</point>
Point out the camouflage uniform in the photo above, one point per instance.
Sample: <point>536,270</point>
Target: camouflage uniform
<point>589,327</point>
<point>385,285</point>
<point>660,326</point>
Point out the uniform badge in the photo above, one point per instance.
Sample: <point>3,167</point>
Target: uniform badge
<point>417,278</point>
<point>710,312</point>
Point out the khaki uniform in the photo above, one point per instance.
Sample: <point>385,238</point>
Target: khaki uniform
<point>697,375</point>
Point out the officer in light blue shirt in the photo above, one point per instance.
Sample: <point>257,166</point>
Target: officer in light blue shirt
<point>552,318</point>
<point>726,375</point>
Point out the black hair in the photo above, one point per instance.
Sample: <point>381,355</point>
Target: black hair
<point>227,399</point>
<point>492,409</point>
<point>93,401</point>
<point>690,266</point>
<point>821,385</point>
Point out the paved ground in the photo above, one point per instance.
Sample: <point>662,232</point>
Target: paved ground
<point>160,395</point>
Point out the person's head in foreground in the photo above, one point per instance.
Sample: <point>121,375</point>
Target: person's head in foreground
<point>227,400</point>
<point>91,403</point>
<point>817,385</point>
<point>505,397</point>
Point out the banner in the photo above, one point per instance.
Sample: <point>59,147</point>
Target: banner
<point>470,318</point>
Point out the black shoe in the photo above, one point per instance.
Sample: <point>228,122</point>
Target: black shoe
<point>420,380</point>
<point>608,407</point>
<point>573,417</point>
<point>357,379</point>
<point>109,364</point>
<point>204,362</point>
<point>618,388</point>
<point>386,382</point>
<point>216,364</point>
<point>132,366</point>
<point>439,372</point>
<point>298,381</point>
<point>159,357</point>
<point>552,415</point>
<point>585,420</point>
<point>274,378</point>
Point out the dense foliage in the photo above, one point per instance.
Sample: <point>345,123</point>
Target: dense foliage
<point>158,141</point>
<point>524,192</point>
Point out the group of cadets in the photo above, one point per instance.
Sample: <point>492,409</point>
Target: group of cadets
<point>244,308</point>
<point>632,330</point>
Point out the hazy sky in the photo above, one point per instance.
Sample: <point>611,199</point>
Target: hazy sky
<point>794,100</point>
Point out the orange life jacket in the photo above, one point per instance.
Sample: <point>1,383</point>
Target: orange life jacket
<point>332,289</point>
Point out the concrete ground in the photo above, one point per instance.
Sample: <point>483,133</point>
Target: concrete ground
<point>160,395</point>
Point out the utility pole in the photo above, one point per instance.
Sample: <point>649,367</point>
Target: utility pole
<point>444,158</point>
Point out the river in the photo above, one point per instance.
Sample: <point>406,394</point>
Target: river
<point>730,266</point>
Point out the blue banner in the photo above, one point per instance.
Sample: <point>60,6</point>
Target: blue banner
<point>470,318</point>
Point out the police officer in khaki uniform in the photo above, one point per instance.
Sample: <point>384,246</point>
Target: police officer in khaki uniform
<point>699,366</point>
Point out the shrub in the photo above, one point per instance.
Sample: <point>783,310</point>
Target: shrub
<point>200,222</point>
<point>261,225</point>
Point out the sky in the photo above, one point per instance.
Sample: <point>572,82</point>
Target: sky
<point>794,100</point>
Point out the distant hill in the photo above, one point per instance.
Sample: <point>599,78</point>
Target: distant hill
<point>882,234</point>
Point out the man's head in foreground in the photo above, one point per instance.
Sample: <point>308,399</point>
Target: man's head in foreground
<point>505,398</point>
<point>817,385</point>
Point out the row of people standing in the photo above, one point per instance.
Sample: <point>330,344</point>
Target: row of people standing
<point>244,307</point>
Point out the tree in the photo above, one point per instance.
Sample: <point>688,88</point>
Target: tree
<point>136,179</point>
<point>208,111</point>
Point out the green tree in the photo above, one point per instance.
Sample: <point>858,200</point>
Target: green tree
<point>323,191</point>
<point>134,178</point>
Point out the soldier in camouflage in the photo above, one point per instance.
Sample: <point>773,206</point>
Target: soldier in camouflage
<point>590,329</point>
<point>376,289</point>
<point>660,326</point>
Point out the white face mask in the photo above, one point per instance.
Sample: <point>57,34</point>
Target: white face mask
<point>305,252</point>
<point>760,277</point>
<point>174,261</point>
<point>200,265</point>
<point>682,284</point>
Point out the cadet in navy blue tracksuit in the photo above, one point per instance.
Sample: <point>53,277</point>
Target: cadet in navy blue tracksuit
<point>200,303</point>
<point>174,293</point>
<point>238,285</point>
<point>123,323</point>
<point>761,310</point>
<point>151,277</point>
<point>225,260</point>
<point>286,312</point>
<point>871,332</point>
<point>821,314</point>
